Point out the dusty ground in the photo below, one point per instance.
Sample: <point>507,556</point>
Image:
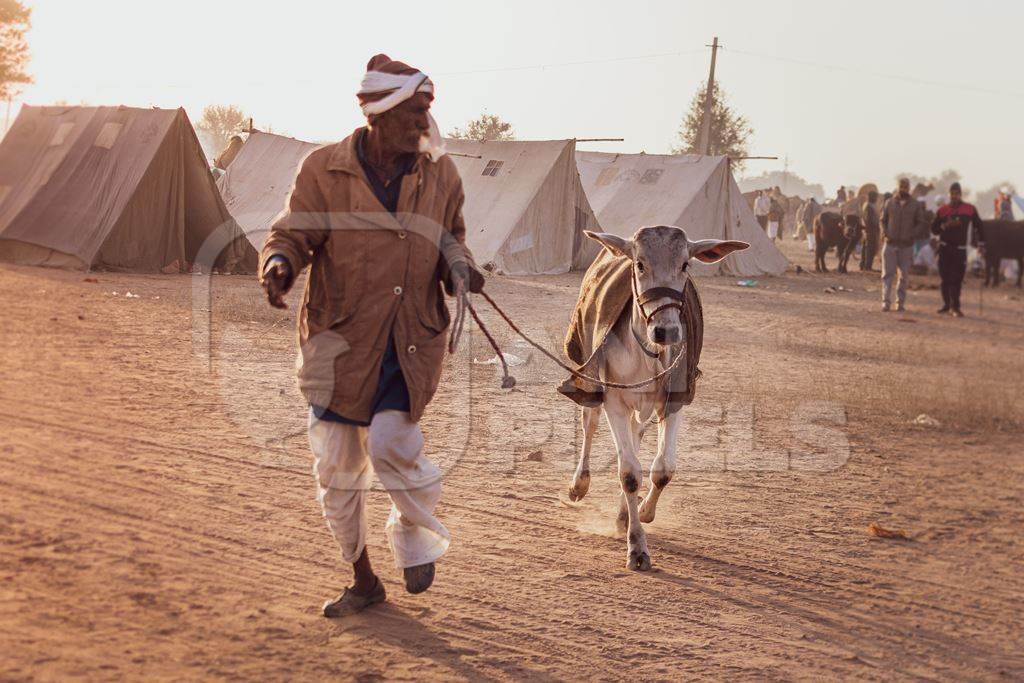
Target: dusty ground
<point>158,519</point>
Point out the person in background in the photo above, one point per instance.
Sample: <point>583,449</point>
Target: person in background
<point>805,226</point>
<point>956,224</point>
<point>841,196</point>
<point>870,220</point>
<point>776,214</point>
<point>798,224</point>
<point>1004,206</point>
<point>762,205</point>
<point>903,221</point>
<point>811,211</point>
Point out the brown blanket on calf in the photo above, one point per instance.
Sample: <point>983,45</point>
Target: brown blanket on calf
<point>605,295</point>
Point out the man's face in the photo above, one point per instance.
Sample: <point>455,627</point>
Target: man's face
<point>904,187</point>
<point>402,127</point>
<point>955,196</point>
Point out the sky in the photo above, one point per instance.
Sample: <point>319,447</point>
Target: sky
<point>848,92</point>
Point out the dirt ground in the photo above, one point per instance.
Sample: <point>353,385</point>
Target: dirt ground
<point>158,516</point>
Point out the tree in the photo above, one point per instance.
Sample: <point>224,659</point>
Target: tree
<point>14,22</point>
<point>730,132</point>
<point>487,127</point>
<point>218,123</point>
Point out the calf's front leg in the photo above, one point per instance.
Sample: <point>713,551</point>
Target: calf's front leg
<point>664,465</point>
<point>630,474</point>
<point>581,478</point>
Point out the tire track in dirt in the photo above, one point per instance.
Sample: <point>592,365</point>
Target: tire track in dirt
<point>732,567</point>
<point>140,522</point>
<point>220,441</point>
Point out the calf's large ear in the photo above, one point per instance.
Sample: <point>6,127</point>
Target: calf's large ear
<point>613,243</point>
<point>712,251</point>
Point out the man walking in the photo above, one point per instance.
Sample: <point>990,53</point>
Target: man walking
<point>903,221</point>
<point>378,219</point>
<point>953,222</point>
<point>870,220</point>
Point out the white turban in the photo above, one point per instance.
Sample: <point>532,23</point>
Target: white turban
<point>401,87</point>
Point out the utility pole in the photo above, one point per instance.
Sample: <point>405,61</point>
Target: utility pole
<point>785,175</point>
<point>705,128</point>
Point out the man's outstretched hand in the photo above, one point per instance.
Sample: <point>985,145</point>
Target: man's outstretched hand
<point>277,280</point>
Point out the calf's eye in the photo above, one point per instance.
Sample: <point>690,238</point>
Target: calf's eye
<point>639,266</point>
<point>686,264</point>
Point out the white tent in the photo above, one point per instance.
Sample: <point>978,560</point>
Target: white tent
<point>256,185</point>
<point>696,193</point>
<point>525,208</point>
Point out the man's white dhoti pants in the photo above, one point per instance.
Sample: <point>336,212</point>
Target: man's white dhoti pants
<point>394,445</point>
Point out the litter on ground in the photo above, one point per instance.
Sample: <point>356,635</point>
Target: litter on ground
<point>510,359</point>
<point>879,531</point>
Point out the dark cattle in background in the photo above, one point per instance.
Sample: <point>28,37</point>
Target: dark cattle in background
<point>831,230</point>
<point>1003,240</point>
<point>853,229</point>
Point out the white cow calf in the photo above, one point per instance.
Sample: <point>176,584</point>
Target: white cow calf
<point>644,341</point>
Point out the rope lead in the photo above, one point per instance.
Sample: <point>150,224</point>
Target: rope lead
<point>507,380</point>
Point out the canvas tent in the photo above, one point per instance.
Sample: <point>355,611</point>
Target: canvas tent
<point>258,181</point>
<point>111,187</point>
<point>696,193</point>
<point>525,208</point>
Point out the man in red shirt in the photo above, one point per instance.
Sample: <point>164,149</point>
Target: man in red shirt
<point>956,225</point>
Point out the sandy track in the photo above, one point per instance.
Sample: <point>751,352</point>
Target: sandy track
<point>157,515</point>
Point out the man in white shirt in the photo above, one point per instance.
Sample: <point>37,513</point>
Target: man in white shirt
<point>762,207</point>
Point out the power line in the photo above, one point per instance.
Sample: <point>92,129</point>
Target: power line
<point>659,55</point>
<point>878,74</point>
<point>562,64</point>
<point>527,67</point>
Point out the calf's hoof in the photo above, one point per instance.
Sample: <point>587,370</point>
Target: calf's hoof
<point>647,513</point>
<point>579,487</point>
<point>639,561</point>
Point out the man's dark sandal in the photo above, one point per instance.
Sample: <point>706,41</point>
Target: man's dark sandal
<point>349,603</point>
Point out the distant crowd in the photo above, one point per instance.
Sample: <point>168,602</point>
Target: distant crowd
<point>907,227</point>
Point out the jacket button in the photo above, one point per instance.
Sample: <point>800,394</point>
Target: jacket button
<point>401,234</point>
<point>398,291</point>
<point>412,348</point>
